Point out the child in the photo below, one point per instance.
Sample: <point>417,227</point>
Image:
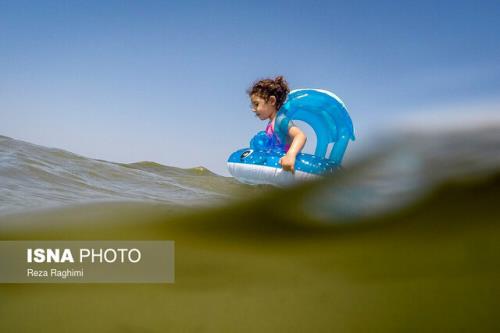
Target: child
<point>267,97</point>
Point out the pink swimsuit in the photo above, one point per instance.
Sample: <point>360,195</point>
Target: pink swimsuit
<point>276,141</point>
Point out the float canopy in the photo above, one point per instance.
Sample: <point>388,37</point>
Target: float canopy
<point>325,113</point>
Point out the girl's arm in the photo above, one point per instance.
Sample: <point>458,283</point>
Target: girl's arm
<point>298,141</point>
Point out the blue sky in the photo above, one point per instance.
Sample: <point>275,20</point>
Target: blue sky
<point>165,81</point>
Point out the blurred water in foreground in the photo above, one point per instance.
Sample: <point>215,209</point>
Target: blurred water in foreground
<point>406,239</point>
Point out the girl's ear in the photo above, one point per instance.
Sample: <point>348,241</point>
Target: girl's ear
<point>272,100</point>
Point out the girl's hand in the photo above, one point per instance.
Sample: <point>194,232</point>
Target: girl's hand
<point>287,162</point>
<point>298,141</point>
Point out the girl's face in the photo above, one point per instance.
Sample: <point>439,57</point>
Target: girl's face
<point>262,109</point>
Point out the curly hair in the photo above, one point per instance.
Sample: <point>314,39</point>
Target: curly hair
<point>277,87</point>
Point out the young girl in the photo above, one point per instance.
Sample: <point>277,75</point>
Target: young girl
<point>267,97</point>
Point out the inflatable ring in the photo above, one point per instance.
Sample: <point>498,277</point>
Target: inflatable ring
<point>328,117</point>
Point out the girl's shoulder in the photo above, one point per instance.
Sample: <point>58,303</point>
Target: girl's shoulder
<point>283,123</point>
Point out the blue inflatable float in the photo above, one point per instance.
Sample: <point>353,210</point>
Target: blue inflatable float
<point>328,117</point>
